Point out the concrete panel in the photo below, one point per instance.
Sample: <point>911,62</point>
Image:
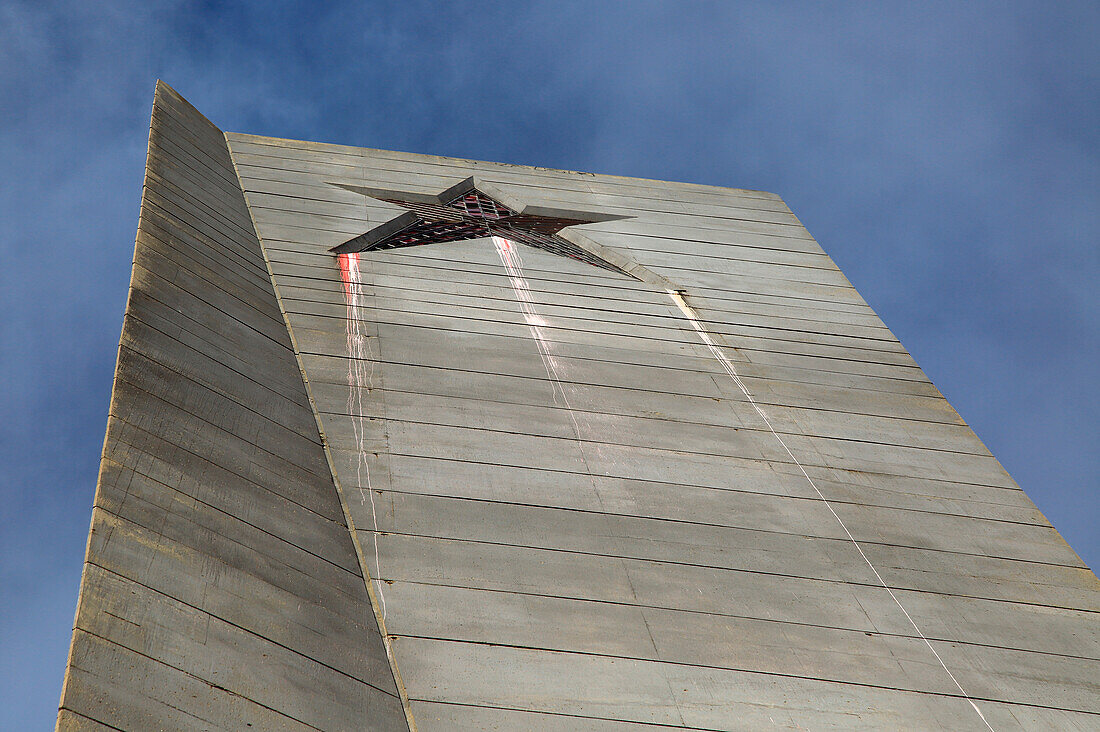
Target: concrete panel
<point>221,588</point>
<point>535,498</point>
<point>653,515</point>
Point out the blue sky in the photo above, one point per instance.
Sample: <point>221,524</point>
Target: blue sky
<point>946,155</point>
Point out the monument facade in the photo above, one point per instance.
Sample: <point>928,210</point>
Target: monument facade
<point>404,442</point>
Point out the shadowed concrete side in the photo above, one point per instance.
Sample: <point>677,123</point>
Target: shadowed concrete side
<point>221,589</point>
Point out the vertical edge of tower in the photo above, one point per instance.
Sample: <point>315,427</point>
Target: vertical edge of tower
<point>220,588</point>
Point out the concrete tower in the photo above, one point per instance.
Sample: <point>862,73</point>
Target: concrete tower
<point>402,442</point>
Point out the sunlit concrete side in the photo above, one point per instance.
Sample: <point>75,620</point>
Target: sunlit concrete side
<point>582,521</point>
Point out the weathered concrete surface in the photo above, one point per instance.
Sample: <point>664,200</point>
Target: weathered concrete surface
<point>569,517</point>
<point>638,548</point>
<point>221,588</point>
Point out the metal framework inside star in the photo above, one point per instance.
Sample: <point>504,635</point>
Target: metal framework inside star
<point>463,212</point>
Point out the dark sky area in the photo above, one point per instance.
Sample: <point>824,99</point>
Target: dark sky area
<point>946,155</point>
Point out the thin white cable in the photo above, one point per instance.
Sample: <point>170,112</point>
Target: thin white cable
<point>727,365</point>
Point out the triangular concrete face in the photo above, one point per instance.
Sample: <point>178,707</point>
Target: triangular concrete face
<point>221,588</point>
<point>481,486</point>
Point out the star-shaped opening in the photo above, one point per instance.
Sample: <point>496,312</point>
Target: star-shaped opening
<point>464,212</point>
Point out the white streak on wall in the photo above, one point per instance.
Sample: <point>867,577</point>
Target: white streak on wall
<point>727,365</point>
<point>360,380</point>
<point>509,257</point>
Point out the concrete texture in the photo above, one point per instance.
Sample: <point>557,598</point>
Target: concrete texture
<point>221,588</point>
<point>542,504</point>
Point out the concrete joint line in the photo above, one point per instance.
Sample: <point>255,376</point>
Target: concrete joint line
<point>364,566</point>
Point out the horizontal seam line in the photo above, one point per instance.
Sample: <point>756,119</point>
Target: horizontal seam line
<point>710,613</point>
<point>751,671</point>
<point>815,537</point>
<point>759,572</point>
